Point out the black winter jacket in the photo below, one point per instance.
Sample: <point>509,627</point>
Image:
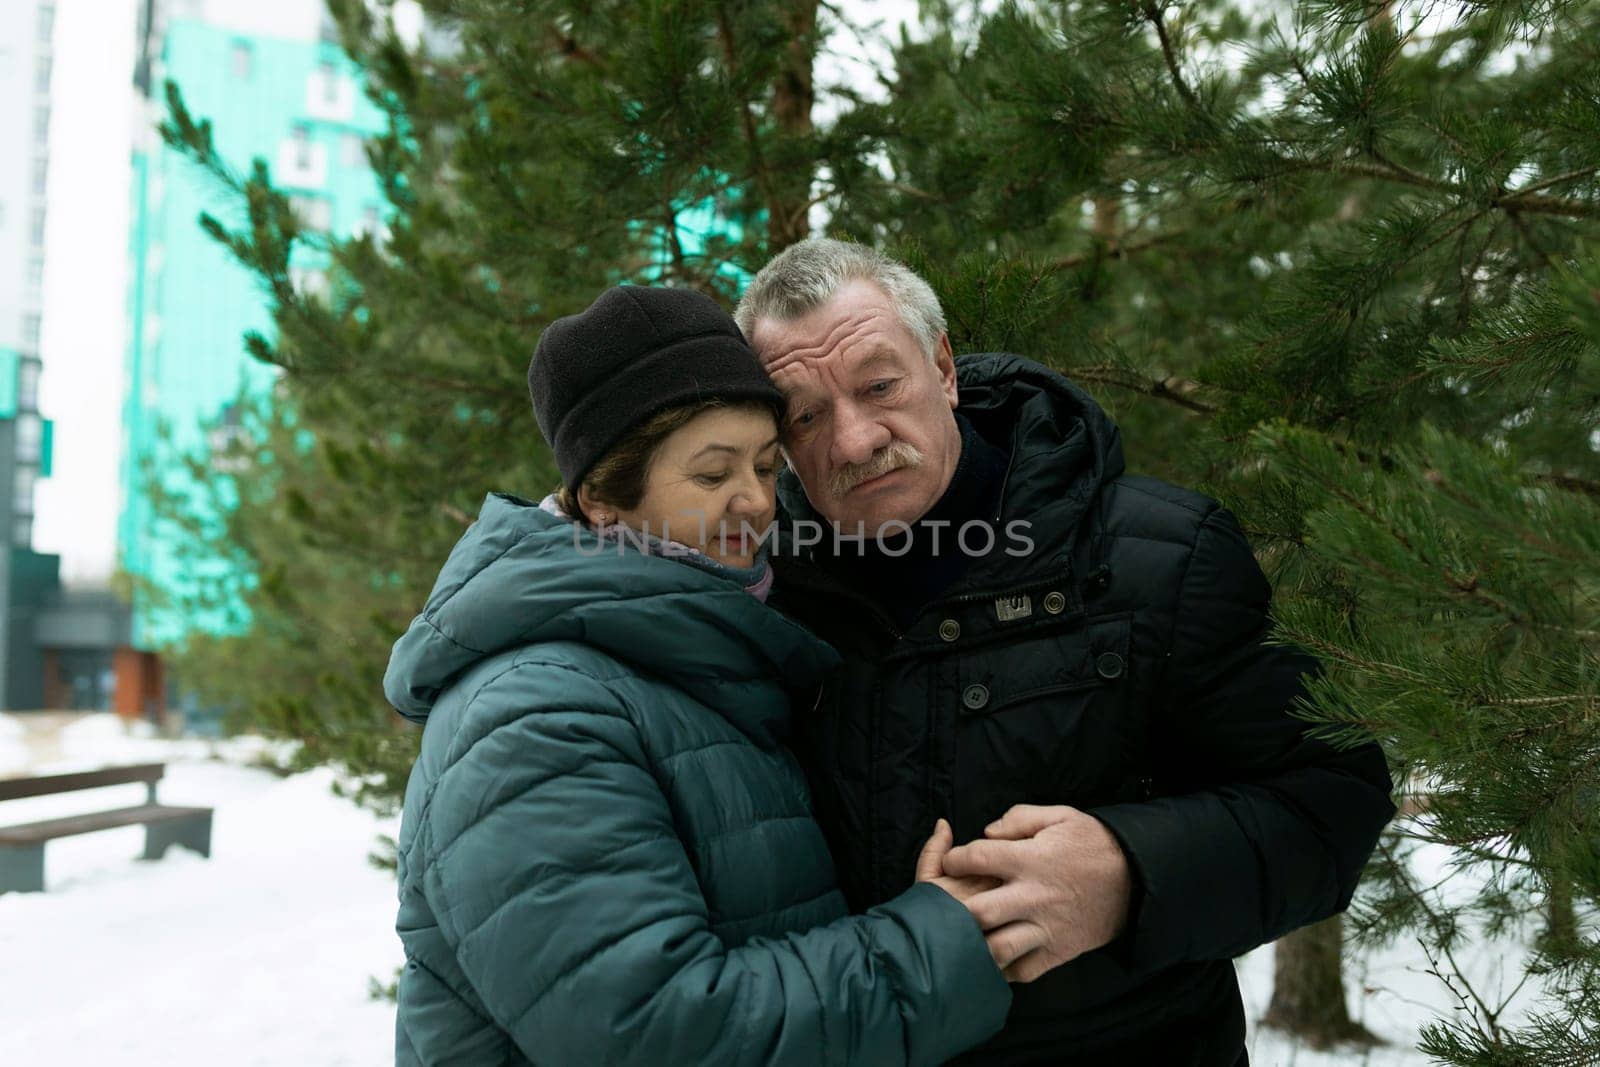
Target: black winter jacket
<point>1119,667</point>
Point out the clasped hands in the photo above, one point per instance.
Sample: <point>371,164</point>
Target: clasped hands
<point>1046,885</point>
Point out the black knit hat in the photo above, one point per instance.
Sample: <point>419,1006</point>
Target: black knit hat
<point>634,353</point>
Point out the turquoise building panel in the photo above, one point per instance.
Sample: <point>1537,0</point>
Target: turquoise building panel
<point>190,304</point>
<point>10,369</point>
<point>299,106</point>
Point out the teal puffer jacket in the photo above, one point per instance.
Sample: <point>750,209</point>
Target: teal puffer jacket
<point>606,854</point>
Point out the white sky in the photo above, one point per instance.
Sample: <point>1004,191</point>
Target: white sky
<point>83,342</point>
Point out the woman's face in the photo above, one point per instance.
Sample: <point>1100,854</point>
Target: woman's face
<point>712,485</point>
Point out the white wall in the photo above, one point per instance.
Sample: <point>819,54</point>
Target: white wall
<point>296,20</point>
<point>84,341</point>
<point>18,51</point>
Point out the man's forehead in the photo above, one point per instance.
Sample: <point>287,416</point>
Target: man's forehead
<point>839,333</point>
<point>796,378</point>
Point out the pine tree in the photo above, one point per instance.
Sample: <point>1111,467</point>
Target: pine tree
<point>535,154</point>
<point>1334,265</point>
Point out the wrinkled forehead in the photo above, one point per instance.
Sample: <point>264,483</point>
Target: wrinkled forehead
<point>855,331</point>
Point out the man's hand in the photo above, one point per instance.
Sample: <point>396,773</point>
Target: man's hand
<point>930,868</point>
<point>1065,887</point>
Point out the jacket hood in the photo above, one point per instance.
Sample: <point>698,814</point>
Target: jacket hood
<point>1063,447</point>
<point>522,576</point>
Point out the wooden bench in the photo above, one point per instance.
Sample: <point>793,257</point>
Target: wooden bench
<point>22,846</point>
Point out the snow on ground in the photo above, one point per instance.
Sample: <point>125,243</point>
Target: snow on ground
<point>1390,992</point>
<point>13,745</point>
<point>261,955</point>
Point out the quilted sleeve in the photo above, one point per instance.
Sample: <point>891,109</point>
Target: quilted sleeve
<point>557,877</point>
<point>1264,827</point>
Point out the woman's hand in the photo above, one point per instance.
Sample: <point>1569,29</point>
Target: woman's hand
<point>930,867</point>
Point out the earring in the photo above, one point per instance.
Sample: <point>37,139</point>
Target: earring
<point>602,519</point>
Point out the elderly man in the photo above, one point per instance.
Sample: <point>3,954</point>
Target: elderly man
<point>1067,661</point>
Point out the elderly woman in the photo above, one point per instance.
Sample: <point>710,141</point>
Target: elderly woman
<point>607,855</point>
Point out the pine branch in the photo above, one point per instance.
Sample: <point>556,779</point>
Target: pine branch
<point>1154,15</point>
<point>759,170</point>
<point>1539,204</point>
<point>1572,483</point>
<point>1115,249</point>
<point>1493,520</point>
<point>1571,175</point>
<point>1543,802</point>
<point>568,47</point>
<point>1466,587</point>
<point>1402,172</point>
<point>1521,200</point>
<point>1584,701</point>
<point>1178,391</point>
<point>1526,231</point>
<point>1508,859</point>
<point>674,241</point>
<point>1469,276</point>
<point>1329,650</point>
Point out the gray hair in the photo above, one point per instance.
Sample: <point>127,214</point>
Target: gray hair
<point>806,275</point>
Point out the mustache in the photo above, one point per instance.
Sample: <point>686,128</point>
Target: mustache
<point>891,457</point>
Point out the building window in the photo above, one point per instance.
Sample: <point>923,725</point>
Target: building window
<point>309,282</point>
<point>41,127</point>
<point>41,174</point>
<point>28,385</point>
<point>313,212</point>
<point>242,60</point>
<point>22,531</point>
<point>229,442</point>
<point>30,438</point>
<point>22,491</point>
<point>352,150</point>
<point>35,272</point>
<point>47,22</point>
<point>30,330</point>
<point>36,231</point>
<point>302,161</point>
<point>329,76</point>
<point>41,75</point>
<point>330,94</point>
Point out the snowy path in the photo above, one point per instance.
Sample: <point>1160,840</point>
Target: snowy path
<point>261,955</point>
